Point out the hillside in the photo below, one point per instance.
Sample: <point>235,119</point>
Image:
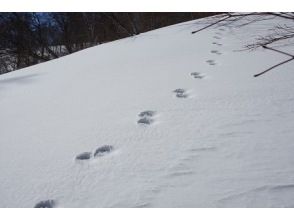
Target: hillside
<point>209,133</point>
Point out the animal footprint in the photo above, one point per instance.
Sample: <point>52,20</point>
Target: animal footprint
<point>221,29</point>
<point>179,90</point>
<point>146,117</point>
<point>147,113</point>
<point>217,37</point>
<point>215,52</point>
<point>45,204</point>
<point>101,151</point>
<point>197,75</point>
<point>215,43</point>
<point>180,93</point>
<point>211,62</point>
<point>146,121</point>
<point>84,156</point>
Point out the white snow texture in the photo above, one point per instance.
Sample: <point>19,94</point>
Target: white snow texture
<point>163,119</point>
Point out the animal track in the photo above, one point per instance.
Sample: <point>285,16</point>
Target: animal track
<point>45,204</point>
<point>211,62</point>
<point>197,75</point>
<point>215,52</point>
<point>147,113</point>
<point>146,121</point>
<point>101,151</point>
<point>217,37</point>
<point>221,29</point>
<point>146,117</point>
<point>84,156</point>
<point>180,93</point>
<point>179,90</point>
<point>216,43</point>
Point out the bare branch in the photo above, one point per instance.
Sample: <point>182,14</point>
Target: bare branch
<point>278,51</point>
<point>279,64</point>
<point>228,16</point>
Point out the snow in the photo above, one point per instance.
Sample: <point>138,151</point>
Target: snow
<point>216,136</point>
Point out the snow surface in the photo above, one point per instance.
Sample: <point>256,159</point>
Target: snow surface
<point>213,136</point>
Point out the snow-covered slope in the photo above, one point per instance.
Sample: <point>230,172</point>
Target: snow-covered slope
<point>225,140</point>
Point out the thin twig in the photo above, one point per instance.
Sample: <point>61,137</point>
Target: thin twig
<point>282,15</point>
<point>279,64</point>
<point>278,51</point>
<point>228,16</point>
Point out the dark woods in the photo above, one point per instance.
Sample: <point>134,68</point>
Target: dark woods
<point>30,38</point>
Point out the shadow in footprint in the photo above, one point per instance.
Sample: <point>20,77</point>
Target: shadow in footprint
<point>101,151</point>
<point>146,117</point>
<point>211,62</point>
<point>215,52</point>
<point>45,204</point>
<point>84,156</point>
<point>180,93</point>
<point>147,113</point>
<point>197,75</point>
<point>146,121</point>
<point>217,37</point>
<point>216,43</point>
<point>179,90</point>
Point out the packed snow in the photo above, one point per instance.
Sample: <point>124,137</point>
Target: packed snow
<point>163,119</point>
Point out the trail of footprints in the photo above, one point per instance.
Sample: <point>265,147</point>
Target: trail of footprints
<point>145,118</point>
<point>181,168</point>
<point>217,36</point>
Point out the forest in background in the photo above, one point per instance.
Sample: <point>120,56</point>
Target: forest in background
<point>30,38</point>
